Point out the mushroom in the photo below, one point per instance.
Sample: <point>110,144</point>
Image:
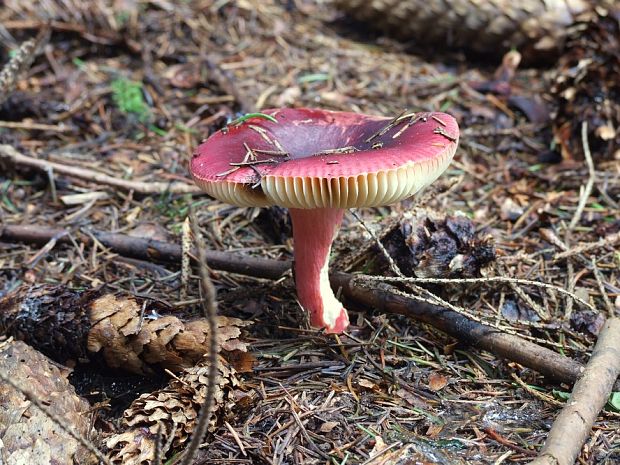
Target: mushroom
<point>317,163</point>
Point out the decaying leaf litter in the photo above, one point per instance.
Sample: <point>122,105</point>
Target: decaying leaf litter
<point>129,94</point>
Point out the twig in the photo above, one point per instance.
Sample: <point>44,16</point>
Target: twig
<point>490,279</point>
<point>186,266</point>
<point>572,426</point>
<point>587,190</point>
<point>145,249</point>
<point>494,435</point>
<point>442,132</point>
<point>512,347</point>
<point>390,124</point>
<point>209,303</point>
<point>253,162</point>
<point>176,187</point>
<point>56,419</point>
<point>34,126</point>
<point>601,287</point>
<point>571,281</point>
<point>236,438</point>
<point>227,83</point>
<point>539,395</point>
<point>275,153</point>
<point>381,453</point>
<point>347,149</point>
<point>610,240</point>
<point>434,300</point>
<point>509,346</point>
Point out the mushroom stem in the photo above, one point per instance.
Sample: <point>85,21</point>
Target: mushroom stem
<point>313,233</point>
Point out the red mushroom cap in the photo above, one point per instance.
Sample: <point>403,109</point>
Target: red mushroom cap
<point>317,163</point>
<point>325,159</point>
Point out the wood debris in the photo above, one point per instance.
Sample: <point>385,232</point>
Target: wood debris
<point>27,435</point>
<point>132,334</point>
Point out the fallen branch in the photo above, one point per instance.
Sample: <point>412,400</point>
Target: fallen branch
<point>144,249</point>
<point>547,362</point>
<point>16,158</point>
<point>572,426</point>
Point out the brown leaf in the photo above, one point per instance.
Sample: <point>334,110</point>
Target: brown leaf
<point>363,382</point>
<point>434,429</point>
<point>437,381</point>
<point>411,398</point>
<point>328,426</point>
<point>242,362</point>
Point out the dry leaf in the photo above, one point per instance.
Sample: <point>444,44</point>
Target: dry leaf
<point>328,426</point>
<point>379,446</point>
<point>437,381</point>
<point>242,362</point>
<point>363,382</point>
<point>434,429</point>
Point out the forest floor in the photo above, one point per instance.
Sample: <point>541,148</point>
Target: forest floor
<point>131,93</point>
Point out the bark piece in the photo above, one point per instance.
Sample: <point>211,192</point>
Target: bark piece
<point>131,333</point>
<point>173,411</point>
<point>27,435</point>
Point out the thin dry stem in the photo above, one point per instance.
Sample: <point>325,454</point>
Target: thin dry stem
<point>587,190</point>
<point>143,187</point>
<point>607,241</point>
<point>601,287</point>
<point>490,279</point>
<point>186,267</point>
<point>209,303</point>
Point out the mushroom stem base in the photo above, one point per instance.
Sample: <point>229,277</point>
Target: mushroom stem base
<point>313,233</point>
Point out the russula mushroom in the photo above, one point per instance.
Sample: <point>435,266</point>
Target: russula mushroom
<point>317,163</point>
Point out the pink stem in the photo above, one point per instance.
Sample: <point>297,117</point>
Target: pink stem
<point>313,233</point>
